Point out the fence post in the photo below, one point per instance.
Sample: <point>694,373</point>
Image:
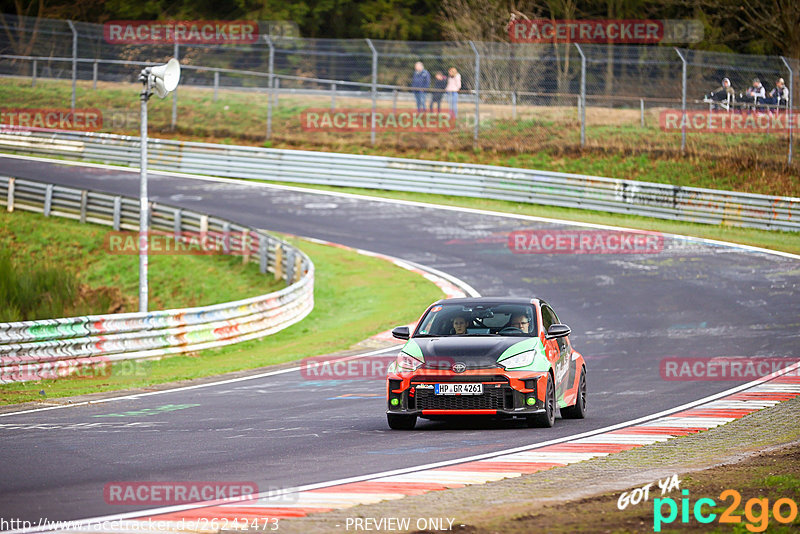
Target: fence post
<point>262,254</point>
<point>791,96</point>
<point>216,84</point>
<point>269,86</point>
<point>513,105</point>
<point>374,89</point>
<point>74,62</point>
<point>175,92</point>
<point>641,110</point>
<point>94,75</point>
<point>582,98</point>
<point>683,100</point>
<point>394,100</point>
<point>333,96</point>
<point>33,74</point>
<point>477,91</point>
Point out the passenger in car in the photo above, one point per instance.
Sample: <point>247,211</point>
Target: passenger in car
<point>460,325</point>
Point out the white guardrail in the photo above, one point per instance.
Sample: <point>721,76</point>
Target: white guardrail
<point>482,181</point>
<point>31,350</point>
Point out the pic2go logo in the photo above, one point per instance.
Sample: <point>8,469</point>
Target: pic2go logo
<point>756,511</point>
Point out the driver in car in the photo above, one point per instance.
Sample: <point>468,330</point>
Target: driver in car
<point>460,325</point>
<point>520,321</point>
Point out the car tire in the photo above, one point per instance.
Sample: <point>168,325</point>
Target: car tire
<point>548,418</point>
<point>577,410</point>
<point>398,421</point>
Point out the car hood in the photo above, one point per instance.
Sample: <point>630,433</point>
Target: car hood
<point>476,352</point>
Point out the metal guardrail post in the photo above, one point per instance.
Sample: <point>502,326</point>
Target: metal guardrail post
<point>683,101</point>
<point>270,81</point>
<point>33,73</point>
<point>582,110</point>
<point>374,89</point>
<point>74,62</point>
<point>477,91</point>
<point>174,122</point>
<point>791,109</point>
<point>10,198</point>
<point>84,202</point>
<point>48,200</point>
<point>94,75</point>
<point>117,215</point>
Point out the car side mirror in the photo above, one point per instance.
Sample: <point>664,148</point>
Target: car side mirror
<point>401,332</point>
<point>558,330</point>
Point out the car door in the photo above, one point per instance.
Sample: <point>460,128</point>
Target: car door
<point>560,348</point>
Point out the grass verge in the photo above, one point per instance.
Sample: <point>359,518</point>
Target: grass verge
<point>174,281</point>
<point>356,296</point>
<point>542,137</point>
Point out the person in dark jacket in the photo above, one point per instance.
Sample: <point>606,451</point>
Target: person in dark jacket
<point>420,80</point>
<point>439,84</point>
<point>724,94</point>
<point>779,95</point>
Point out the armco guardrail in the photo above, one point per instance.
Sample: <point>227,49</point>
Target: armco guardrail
<point>31,350</point>
<point>483,181</point>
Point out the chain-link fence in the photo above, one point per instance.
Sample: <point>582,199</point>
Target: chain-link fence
<point>513,97</point>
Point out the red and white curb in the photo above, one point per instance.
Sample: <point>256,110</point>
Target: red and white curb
<point>690,419</point>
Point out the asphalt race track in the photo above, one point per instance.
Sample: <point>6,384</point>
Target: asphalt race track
<point>627,312</point>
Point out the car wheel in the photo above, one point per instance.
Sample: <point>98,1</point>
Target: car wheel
<point>548,418</point>
<point>577,410</point>
<point>398,421</point>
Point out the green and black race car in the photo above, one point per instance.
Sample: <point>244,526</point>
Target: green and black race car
<point>501,357</point>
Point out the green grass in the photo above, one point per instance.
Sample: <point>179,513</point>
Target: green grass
<point>356,296</point>
<point>40,292</point>
<point>545,138</point>
<point>174,281</point>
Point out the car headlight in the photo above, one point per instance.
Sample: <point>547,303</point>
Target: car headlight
<point>523,359</point>
<point>406,362</point>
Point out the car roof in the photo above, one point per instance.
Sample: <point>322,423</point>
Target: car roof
<point>474,301</point>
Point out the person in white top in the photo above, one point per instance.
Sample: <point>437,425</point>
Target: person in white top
<point>453,86</point>
<point>757,91</point>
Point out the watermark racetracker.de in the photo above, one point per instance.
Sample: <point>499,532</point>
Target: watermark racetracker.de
<point>584,242</point>
<point>385,120</point>
<point>632,31</point>
<point>76,368</point>
<point>676,120</point>
<point>86,119</point>
<point>138,32</point>
<point>164,493</point>
<point>724,368</point>
<point>190,243</point>
<point>374,368</point>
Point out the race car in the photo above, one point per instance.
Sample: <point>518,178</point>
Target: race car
<point>499,357</point>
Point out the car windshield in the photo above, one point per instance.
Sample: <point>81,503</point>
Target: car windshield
<point>478,320</point>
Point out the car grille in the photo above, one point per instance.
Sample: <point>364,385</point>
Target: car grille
<point>492,399</point>
<point>425,379</point>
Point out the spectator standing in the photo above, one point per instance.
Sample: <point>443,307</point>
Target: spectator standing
<point>439,85</point>
<point>452,89</point>
<point>420,80</point>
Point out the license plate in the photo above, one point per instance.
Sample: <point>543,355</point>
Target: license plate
<point>458,389</point>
